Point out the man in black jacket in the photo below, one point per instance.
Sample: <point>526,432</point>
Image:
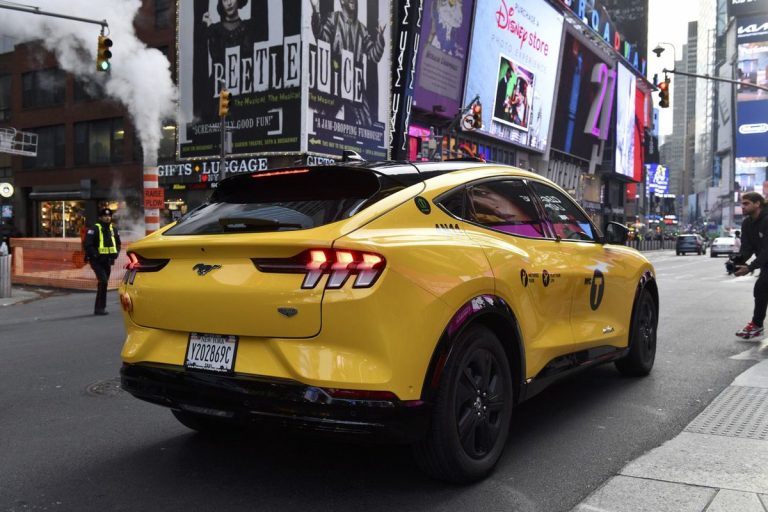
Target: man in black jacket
<point>102,245</point>
<point>754,240</point>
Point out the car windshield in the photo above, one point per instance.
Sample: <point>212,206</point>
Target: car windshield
<point>287,199</point>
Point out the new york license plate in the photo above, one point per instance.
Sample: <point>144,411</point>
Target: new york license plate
<point>211,352</point>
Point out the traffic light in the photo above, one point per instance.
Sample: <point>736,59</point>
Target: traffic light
<point>664,93</point>
<point>224,97</point>
<point>103,54</point>
<point>477,116</point>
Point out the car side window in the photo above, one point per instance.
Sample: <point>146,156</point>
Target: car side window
<point>505,206</point>
<point>568,221</point>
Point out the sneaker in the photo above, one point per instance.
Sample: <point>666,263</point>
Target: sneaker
<point>750,331</point>
<point>103,312</point>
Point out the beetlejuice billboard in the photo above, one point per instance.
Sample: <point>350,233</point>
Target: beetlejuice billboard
<point>512,68</point>
<point>305,76</point>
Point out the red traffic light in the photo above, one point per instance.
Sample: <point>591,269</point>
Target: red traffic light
<point>663,86</point>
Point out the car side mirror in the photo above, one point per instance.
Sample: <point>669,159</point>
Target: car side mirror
<point>616,233</point>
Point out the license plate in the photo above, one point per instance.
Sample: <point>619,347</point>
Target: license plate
<point>211,352</point>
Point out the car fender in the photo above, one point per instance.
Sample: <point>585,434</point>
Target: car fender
<point>495,313</point>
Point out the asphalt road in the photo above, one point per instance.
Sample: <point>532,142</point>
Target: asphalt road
<point>71,440</point>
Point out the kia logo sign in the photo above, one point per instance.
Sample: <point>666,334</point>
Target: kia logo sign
<point>750,129</point>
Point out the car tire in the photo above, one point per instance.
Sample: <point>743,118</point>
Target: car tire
<point>472,411</point>
<point>712,255</point>
<point>677,252</point>
<point>642,342</point>
<point>201,423</point>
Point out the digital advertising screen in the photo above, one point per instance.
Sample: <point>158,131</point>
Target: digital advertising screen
<point>256,55</point>
<point>577,93</point>
<point>348,49</point>
<point>442,55</point>
<point>512,69</point>
<point>657,179</point>
<point>626,84</point>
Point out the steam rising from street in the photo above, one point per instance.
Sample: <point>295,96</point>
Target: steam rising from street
<point>140,77</point>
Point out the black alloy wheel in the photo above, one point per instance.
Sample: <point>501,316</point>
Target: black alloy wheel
<point>642,343</point>
<point>470,421</point>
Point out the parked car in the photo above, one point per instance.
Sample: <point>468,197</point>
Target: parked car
<point>690,243</point>
<point>417,302</point>
<point>727,245</point>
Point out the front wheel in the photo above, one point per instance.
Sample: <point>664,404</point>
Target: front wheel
<point>470,421</point>
<point>642,342</point>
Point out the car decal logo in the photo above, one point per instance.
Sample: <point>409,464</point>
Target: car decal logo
<point>524,277</point>
<point>288,312</point>
<point>423,205</point>
<point>545,278</point>
<point>203,269</point>
<point>597,289</point>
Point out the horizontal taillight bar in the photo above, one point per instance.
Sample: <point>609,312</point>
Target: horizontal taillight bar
<point>136,263</point>
<point>339,264</point>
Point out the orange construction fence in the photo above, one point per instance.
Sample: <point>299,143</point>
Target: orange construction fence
<point>58,263</point>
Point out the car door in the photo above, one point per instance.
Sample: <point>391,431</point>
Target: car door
<point>599,274</point>
<point>527,264</point>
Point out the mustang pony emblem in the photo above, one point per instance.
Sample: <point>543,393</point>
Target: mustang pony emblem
<point>203,269</point>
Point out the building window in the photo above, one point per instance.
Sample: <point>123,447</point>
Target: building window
<point>5,97</point>
<point>99,142</point>
<point>162,13</point>
<point>44,88</point>
<point>167,149</point>
<point>88,90</point>
<point>50,148</point>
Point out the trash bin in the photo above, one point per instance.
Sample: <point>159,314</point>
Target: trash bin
<point>5,276</point>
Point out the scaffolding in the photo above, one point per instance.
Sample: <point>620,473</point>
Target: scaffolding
<point>18,143</point>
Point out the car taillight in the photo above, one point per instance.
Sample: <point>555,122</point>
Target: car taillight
<point>340,264</point>
<point>138,264</point>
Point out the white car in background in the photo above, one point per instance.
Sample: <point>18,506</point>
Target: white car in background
<point>725,245</point>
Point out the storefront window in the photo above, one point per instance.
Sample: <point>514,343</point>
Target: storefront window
<point>61,218</point>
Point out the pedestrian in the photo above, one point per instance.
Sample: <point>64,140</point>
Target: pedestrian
<point>102,245</point>
<point>754,241</point>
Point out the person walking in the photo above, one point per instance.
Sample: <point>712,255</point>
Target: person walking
<point>754,241</point>
<point>102,245</point>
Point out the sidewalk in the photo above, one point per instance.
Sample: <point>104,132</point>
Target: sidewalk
<point>719,463</point>
<point>21,294</point>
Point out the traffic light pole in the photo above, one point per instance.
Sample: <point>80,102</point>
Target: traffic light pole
<point>223,157</point>
<point>35,10</point>
<point>717,79</point>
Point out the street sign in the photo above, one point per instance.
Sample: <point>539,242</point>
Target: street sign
<point>154,198</point>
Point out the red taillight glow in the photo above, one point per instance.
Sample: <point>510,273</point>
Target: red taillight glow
<point>138,264</point>
<point>362,394</point>
<point>340,264</point>
<point>279,173</point>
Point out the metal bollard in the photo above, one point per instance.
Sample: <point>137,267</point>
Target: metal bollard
<point>5,276</point>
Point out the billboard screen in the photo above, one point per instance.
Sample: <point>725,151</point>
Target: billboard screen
<point>442,55</point>
<point>752,103</point>
<point>348,52</point>
<point>625,121</point>
<point>256,55</point>
<point>512,69</point>
<point>746,7</point>
<point>657,179</point>
<point>576,94</point>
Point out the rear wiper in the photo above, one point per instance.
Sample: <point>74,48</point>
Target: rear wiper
<point>251,223</point>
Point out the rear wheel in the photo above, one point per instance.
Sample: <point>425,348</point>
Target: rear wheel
<point>642,343</point>
<point>470,421</point>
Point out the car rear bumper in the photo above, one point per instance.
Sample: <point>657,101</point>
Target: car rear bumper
<point>279,402</point>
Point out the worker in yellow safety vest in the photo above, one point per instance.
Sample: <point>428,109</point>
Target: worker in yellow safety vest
<point>102,245</point>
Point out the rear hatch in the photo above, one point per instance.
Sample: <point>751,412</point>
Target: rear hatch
<point>237,264</point>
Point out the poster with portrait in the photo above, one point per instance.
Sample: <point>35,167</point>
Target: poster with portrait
<point>524,38</point>
<point>442,55</point>
<point>252,48</point>
<point>347,57</point>
<point>514,92</point>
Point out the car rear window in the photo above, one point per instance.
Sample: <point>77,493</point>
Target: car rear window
<point>286,199</point>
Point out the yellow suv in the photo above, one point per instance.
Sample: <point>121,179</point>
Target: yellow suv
<point>411,301</point>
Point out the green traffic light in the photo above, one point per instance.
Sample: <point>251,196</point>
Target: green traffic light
<point>104,66</point>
